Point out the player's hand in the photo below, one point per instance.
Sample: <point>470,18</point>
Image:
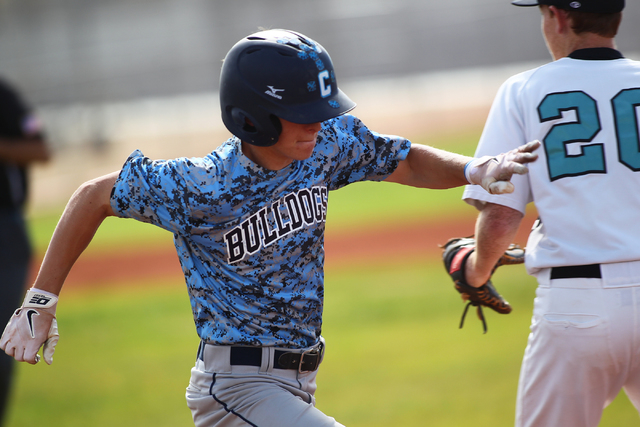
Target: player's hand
<point>32,326</point>
<point>494,173</point>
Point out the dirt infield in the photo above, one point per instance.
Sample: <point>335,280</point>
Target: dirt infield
<point>359,246</point>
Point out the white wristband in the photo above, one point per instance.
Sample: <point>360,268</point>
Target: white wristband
<point>467,170</point>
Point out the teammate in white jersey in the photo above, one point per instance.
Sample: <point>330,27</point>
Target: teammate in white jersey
<point>583,250</point>
<point>248,221</point>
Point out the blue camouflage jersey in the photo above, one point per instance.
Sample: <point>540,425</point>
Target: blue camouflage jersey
<point>251,240</point>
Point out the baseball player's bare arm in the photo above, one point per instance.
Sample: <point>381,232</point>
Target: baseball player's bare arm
<point>496,228</point>
<point>86,210</point>
<point>428,167</point>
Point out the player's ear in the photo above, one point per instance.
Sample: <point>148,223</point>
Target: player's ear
<point>561,19</point>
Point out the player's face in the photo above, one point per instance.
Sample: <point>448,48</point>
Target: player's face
<point>296,142</point>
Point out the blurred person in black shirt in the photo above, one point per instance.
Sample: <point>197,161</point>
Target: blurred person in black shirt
<point>21,143</point>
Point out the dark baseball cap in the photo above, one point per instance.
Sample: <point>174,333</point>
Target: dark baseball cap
<point>593,6</point>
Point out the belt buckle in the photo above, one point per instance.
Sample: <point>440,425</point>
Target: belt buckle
<point>316,351</point>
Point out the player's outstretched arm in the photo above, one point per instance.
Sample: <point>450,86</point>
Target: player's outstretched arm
<point>84,213</point>
<point>34,324</point>
<point>429,167</point>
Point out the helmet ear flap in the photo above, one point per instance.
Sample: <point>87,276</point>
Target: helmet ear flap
<point>252,130</point>
<point>241,120</point>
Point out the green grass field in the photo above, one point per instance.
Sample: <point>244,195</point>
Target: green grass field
<point>395,355</point>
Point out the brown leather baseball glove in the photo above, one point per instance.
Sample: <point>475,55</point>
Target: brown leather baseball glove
<point>455,254</point>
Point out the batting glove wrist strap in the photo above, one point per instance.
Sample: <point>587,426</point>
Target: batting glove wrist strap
<point>32,326</point>
<point>37,298</point>
<point>467,170</point>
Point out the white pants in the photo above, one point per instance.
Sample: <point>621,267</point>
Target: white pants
<point>584,347</point>
<point>221,394</point>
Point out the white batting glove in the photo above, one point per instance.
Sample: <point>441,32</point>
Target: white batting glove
<point>32,326</point>
<point>494,173</point>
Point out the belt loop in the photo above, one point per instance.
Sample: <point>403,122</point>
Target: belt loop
<point>216,358</point>
<point>200,354</point>
<point>267,360</point>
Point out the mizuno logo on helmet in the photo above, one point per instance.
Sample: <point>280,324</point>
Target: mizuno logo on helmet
<point>273,92</point>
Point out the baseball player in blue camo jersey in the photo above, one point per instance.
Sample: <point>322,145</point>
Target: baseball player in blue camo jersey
<point>584,342</point>
<point>248,221</point>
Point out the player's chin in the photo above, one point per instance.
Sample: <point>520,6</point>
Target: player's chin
<point>305,149</point>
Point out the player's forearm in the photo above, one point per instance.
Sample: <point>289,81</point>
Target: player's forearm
<point>86,210</point>
<point>25,151</point>
<point>429,167</point>
<point>496,228</point>
<point>438,169</point>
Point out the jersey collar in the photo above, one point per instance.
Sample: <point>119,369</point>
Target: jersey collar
<point>596,54</point>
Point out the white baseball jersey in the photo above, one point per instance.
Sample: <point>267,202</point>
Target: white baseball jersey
<point>586,181</point>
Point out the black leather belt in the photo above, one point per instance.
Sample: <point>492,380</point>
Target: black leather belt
<point>591,271</point>
<point>305,361</point>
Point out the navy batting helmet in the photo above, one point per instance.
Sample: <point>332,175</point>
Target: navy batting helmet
<point>277,74</point>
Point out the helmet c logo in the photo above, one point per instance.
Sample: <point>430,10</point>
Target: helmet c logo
<point>325,89</point>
